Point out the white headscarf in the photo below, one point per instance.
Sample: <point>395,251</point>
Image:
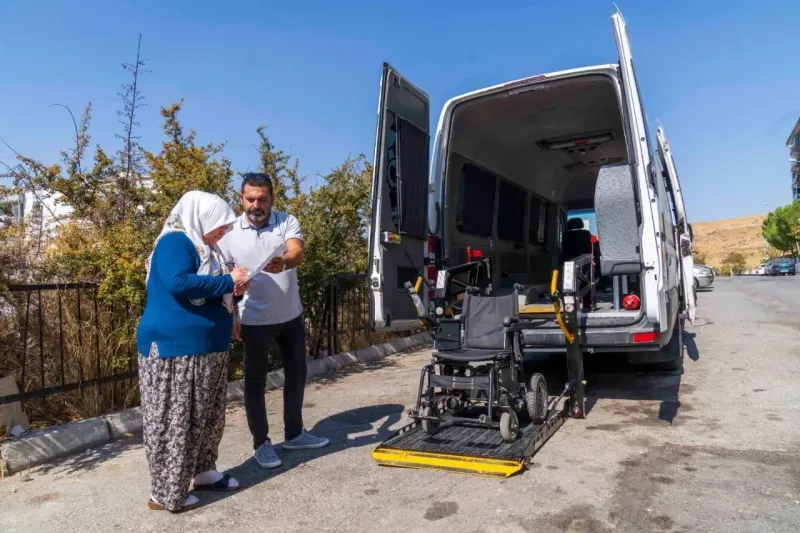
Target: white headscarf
<point>196,214</point>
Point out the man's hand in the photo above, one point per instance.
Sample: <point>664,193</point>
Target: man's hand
<point>275,266</point>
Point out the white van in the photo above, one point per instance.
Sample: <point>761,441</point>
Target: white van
<point>511,166</point>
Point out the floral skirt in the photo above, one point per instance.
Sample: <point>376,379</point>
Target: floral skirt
<point>183,403</point>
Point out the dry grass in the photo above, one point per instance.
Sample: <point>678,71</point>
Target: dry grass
<point>716,239</point>
<point>47,343</point>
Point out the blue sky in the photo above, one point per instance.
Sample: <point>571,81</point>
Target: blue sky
<point>722,77</point>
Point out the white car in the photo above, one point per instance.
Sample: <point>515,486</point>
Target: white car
<point>761,270</point>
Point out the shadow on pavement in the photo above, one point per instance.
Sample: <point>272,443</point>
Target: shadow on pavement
<point>610,377</point>
<point>691,346</point>
<point>90,459</point>
<point>350,429</point>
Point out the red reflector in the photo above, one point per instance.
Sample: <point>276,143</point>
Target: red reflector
<point>431,273</point>
<point>476,254</point>
<point>641,338</point>
<point>431,246</point>
<point>580,142</point>
<point>595,240</point>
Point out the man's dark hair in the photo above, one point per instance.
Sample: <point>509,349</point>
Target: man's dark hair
<point>256,179</point>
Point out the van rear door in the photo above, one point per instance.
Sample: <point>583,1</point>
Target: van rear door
<point>654,262</point>
<point>399,225</point>
<point>682,224</point>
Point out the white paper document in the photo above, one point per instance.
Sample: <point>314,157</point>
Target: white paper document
<point>256,261</point>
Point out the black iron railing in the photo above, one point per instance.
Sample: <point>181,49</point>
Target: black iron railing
<point>60,338</point>
<point>52,336</point>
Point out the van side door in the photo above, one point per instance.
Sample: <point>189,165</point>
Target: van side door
<point>682,229</point>
<point>643,169</point>
<point>399,217</point>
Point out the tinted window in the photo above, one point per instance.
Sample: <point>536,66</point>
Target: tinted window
<point>475,207</point>
<point>412,168</point>
<point>511,213</point>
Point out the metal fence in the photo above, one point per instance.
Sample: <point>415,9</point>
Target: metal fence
<point>61,338</point>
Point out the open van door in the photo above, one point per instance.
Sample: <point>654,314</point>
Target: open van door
<point>684,236</point>
<point>399,226</point>
<point>654,292</point>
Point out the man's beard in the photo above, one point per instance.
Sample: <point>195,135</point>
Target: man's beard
<point>257,215</point>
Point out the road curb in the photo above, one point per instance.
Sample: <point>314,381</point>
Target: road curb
<point>42,446</point>
<point>52,443</point>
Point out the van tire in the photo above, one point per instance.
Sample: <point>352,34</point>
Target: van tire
<point>668,358</point>
<point>674,348</point>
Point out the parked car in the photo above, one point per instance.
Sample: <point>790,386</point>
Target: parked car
<point>761,270</point>
<point>703,277</point>
<point>782,267</point>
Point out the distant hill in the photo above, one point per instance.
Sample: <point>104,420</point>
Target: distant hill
<point>716,239</point>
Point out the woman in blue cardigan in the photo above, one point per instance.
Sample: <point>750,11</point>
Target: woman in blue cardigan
<point>183,339</point>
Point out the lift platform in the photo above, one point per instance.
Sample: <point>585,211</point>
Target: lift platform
<point>472,450</point>
<point>481,450</point>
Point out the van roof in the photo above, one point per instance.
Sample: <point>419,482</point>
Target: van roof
<point>529,80</point>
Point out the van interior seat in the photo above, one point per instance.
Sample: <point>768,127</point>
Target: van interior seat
<point>577,240</point>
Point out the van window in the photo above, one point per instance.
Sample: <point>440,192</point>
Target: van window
<point>403,162</point>
<point>511,213</point>
<point>475,206</point>
<point>587,215</point>
<point>537,223</point>
<point>412,159</point>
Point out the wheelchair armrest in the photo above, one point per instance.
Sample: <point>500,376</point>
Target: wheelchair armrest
<point>519,327</point>
<point>508,320</point>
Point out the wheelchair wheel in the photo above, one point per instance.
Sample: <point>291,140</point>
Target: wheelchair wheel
<point>509,426</point>
<point>536,399</point>
<point>430,426</point>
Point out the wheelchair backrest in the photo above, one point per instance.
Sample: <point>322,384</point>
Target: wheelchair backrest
<point>483,319</point>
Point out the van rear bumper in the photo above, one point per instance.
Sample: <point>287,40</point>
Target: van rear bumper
<point>596,338</point>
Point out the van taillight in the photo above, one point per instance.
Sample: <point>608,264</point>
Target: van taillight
<point>643,338</point>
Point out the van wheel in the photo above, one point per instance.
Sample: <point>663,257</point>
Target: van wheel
<point>674,348</point>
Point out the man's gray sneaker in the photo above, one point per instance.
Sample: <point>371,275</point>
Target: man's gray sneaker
<point>305,441</point>
<point>266,457</point>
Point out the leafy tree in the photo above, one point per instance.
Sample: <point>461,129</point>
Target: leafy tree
<point>734,261</point>
<point>781,228</point>
<point>181,166</point>
<point>334,215</point>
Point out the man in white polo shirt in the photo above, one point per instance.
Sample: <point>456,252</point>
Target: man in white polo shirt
<point>270,310</point>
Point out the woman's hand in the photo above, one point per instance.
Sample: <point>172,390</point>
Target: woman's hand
<point>239,275</point>
<point>240,289</point>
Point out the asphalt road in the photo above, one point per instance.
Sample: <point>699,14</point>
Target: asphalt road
<point>715,448</point>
